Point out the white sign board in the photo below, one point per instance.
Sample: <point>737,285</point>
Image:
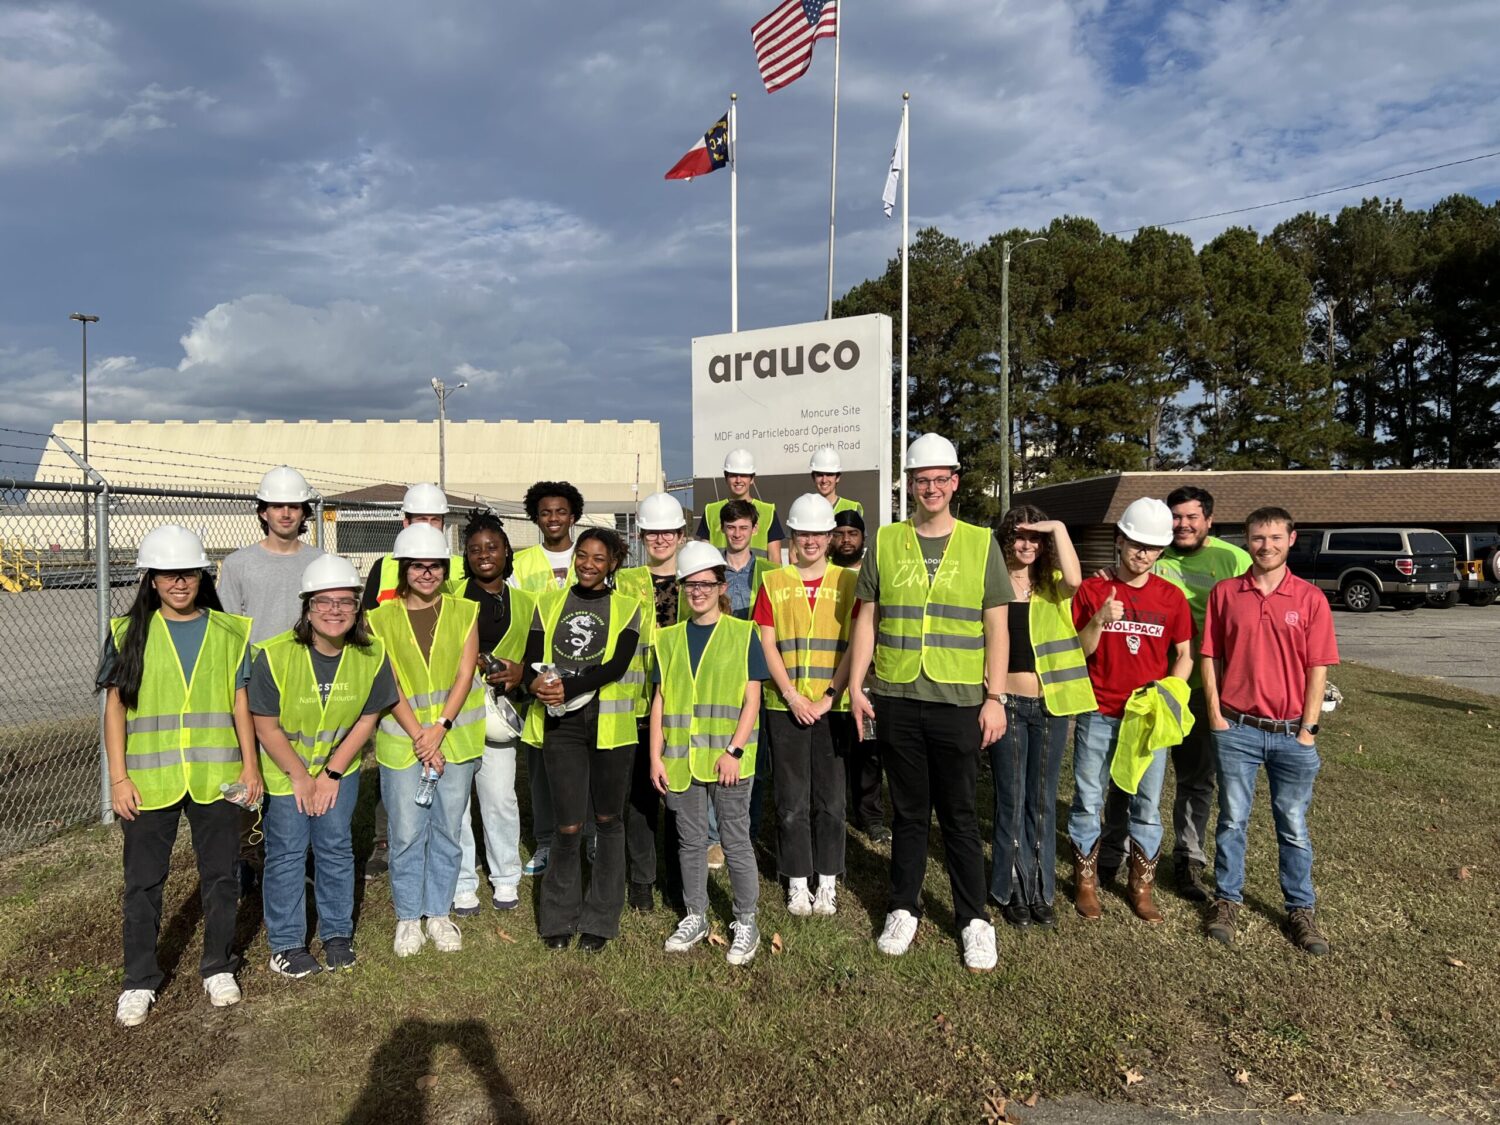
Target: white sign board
<point>783,393</point>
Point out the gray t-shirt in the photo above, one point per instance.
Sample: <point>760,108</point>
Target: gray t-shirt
<point>265,587</point>
<point>265,696</point>
<point>997,591</point>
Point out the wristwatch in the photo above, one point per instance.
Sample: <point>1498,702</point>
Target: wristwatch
<point>830,693</point>
<point>446,723</point>
<point>333,773</point>
<point>736,752</point>
<point>998,697</point>
<point>1312,728</point>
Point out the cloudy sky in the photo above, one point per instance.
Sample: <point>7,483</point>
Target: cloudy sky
<point>295,209</point>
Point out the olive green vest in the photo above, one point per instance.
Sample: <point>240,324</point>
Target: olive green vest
<point>701,712</point>
<point>811,638</point>
<point>426,685</point>
<point>936,626</point>
<point>616,699</point>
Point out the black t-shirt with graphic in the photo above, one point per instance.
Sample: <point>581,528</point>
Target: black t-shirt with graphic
<point>580,638</point>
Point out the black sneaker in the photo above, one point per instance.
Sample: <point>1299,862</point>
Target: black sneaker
<point>1304,931</point>
<point>642,898</point>
<point>295,963</point>
<point>592,943</point>
<point>879,834</point>
<point>338,952</point>
<point>378,863</point>
<point>1190,884</point>
<point>1223,918</point>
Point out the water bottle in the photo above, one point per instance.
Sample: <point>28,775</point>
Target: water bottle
<point>550,676</point>
<point>426,787</point>
<point>236,794</point>
<point>867,729</point>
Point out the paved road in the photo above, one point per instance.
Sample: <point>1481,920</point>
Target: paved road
<point>1458,645</point>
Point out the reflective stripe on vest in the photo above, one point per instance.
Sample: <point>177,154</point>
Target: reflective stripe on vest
<point>532,571</point>
<point>635,581</point>
<point>426,684</point>
<point>934,626</point>
<point>700,712</point>
<point>617,700</point>
<point>810,638</point>
<point>314,728</point>
<point>1061,665</point>
<point>180,737</point>
<point>390,576</point>
<point>760,538</point>
<point>847,505</point>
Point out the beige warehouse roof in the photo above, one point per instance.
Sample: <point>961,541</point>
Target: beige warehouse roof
<point>612,463</point>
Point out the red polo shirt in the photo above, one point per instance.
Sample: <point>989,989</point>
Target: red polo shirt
<point>1267,643</point>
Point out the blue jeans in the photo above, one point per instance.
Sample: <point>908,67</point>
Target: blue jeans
<point>425,844</point>
<point>1094,738</point>
<point>1026,763</point>
<point>1291,769</point>
<point>289,834</point>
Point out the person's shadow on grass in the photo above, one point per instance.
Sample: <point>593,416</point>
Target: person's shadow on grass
<point>391,1092</point>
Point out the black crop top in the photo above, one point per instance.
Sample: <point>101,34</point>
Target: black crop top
<point>1022,659</point>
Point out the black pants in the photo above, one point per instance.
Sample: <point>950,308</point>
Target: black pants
<point>809,798</point>
<point>148,857</point>
<point>643,813</point>
<point>579,772</point>
<point>931,756</point>
<point>863,773</point>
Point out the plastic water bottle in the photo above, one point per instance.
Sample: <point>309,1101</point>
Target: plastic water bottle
<point>550,676</point>
<point>867,730</point>
<point>426,787</point>
<point>236,794</point>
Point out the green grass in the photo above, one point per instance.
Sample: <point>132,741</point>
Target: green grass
<point>829,1030</point>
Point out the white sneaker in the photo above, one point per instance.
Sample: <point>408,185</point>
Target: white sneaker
<point>690,931</point>
<point>799,901</point>
<point>445,934</point>
<point>466,903</point>
<point>825,902</point>
<point>409,937</point>
<point>746,940</point>
<point>222,991</point>
<point>133,1005</point>
<point>900,928</point>
<point>979,946</point>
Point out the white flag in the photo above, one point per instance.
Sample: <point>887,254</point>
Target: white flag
<point>893,177</point>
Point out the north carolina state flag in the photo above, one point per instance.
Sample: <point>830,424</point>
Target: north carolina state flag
<point>709,155</point>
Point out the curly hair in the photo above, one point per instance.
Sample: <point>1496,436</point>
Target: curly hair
<point>560,488</point>
<point>484,519</point>
<point>613,544</point>
<point>1044,570</point>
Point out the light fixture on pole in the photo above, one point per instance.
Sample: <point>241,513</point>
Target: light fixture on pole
<point>84,320</point>
<point>442,390</point>
<point>1005,251</point>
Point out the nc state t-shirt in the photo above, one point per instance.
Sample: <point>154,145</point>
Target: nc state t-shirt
<point>1138,648</point>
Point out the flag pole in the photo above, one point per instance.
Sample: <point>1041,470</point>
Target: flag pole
<point>734,215</point>
<point>905,253</point>
<point>833,181</point>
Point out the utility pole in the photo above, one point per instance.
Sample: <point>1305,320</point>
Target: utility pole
<point>442,390</point>
<point>1005,252</point>
<point>84,320</point>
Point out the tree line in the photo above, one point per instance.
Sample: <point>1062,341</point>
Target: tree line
<point>1366,340</point>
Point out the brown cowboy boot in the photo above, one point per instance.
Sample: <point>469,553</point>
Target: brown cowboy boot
<point>1142,876</point>
<point>1086,883</point>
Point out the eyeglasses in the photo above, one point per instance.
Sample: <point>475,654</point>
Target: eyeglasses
<point>335,605</point>
<point>1141,548</point>
<point>701,587</point>
<point>924,484</point>
<point>673,534</point>
<point>425,568</point>
<point>178,577</point>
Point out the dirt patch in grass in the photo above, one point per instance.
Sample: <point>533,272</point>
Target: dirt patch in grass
<point>1403,1015</point>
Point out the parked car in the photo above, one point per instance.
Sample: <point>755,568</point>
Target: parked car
<point>1478,566</point>
<point>1362,567</point>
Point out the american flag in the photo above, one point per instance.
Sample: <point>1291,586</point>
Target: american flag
<point>784,39</point>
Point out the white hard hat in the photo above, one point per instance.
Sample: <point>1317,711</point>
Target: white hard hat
<point>740,461</point>
<point>697,556</point>
<point>284,485</point>
<point>660,512</point>
<point>420,541</point>
<point>931,451</point>
<point>170,547</point>
<point>424,500</point>
<point>1148,521</point>
<point>825,459</point>
<point>329,572</point>
<point>810,512</point>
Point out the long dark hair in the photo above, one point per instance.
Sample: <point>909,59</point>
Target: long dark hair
<point>358,634</point>
<point>130,660</point>
<point>1045,568</point>
<point>483,519</point>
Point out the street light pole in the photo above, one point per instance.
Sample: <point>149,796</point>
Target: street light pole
<point>84,320</point>
<point>1005,252</point>
<point>442,390</point>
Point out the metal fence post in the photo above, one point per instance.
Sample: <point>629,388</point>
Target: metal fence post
<point>318,523</point>
<point>102,586</point>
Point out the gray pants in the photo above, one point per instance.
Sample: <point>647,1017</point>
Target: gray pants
<point>1194,765</point>
<point>732,805</point>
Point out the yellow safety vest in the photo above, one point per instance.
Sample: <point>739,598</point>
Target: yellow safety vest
<point>533,572</point>
<point>616,699</point>
<point>846,505</point>
<point>426,685</point>
<point>760,538</point>
<point>635,581</point>
<point>180,737</point>
<point>937,626</point>
<point>512,646</point>
<point>811,638</point>
<point>313,728</point>
<point>1156,717</point>
<point>390,575</point>
<point>700,712</point>
<point>1060,663</point>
